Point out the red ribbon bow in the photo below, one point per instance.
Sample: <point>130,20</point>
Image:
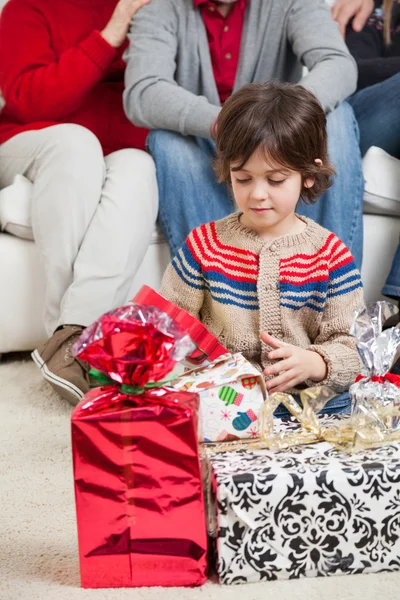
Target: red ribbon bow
<point>391,377</point>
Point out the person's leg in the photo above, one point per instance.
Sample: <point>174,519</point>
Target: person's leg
<point>340,208</point>
<point>111,251</point>
<point>116,240</point>
<point>92,221</point>
<point>377,112</point>
<point>340,404</point>
<point>188,190</point>
<point>65,164</point>
<point>392,285</point>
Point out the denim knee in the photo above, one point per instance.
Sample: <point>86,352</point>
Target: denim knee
<point>180,154</point>
<point>164,144</point>
<point>340,404</point>
<point>343,132</point>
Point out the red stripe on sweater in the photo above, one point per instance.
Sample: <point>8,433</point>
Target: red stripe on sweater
<point>308,276</point>
<point>249,276</point>
<point>318,254</point>
<point>301,283</point>
<point>207,253</point>
<point>253,256</point>
<point>305,276</point>
<point>325,255</point>
<point>230,276</point>
<point>344,251</point>
<point>345,261</point>
<point>318,263</point>
<point>253,264</point>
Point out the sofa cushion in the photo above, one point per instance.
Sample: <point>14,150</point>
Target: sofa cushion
<point>15,208</point>
<point>15,211</point>
<point>382,183</point>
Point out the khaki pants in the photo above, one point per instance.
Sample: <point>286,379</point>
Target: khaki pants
<point>92,217</point>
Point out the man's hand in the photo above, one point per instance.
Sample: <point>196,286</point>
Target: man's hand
<point>213,129</point>
<point>295,365</point>
<point>117,27</point>
<point>344,10</point>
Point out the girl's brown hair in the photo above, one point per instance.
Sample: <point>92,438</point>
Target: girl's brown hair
<point>286,122</point>
<point>387,7</point>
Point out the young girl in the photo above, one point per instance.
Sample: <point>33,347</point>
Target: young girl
<point>268,283</point>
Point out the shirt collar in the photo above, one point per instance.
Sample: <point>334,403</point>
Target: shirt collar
<point>198,3</point>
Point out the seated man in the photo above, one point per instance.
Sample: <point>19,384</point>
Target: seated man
<point>187,56</point>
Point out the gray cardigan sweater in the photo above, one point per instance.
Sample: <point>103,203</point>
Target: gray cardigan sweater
<point>169,81</point>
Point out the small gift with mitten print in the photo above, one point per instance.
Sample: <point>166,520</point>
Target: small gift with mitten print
<point>232,395</point>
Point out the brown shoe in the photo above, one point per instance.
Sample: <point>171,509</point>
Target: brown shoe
<point>65,373</point>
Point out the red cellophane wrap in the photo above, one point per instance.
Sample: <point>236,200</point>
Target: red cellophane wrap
<point>138,488</point>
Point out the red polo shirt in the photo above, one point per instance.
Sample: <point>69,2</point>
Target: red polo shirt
<point>224,36</point>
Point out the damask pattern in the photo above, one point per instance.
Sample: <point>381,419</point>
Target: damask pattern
<point>307,511</point>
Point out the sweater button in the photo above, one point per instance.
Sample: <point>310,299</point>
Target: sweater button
<point>273,247</point>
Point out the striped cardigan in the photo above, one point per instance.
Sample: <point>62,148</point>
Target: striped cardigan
<point>300,288</point>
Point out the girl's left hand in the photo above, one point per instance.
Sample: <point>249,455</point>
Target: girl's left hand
<point>295,365</point>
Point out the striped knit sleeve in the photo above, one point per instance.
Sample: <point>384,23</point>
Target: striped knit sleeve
<point>334,342</point>
<point>183,282</point>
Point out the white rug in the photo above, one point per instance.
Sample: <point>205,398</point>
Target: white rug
<point>38,549</point>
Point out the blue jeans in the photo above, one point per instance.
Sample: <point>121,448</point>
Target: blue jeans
<point>377,110</point>
<point>392,285</point>
<point>340,404</point>
<point>189,194</point>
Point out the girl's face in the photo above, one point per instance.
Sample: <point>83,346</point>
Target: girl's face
<point>267,194</point>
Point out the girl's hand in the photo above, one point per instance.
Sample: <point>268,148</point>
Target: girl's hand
<point>117,27</point>
<point>296,365</point>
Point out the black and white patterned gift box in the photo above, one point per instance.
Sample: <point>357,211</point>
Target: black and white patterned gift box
<point>305,512</point>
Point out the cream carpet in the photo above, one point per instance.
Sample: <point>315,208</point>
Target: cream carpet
<point>38,548</point>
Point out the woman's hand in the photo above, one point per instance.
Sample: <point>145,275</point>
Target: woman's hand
<point>295,365</point>
<point>117,27</point>
<point>344,10</point>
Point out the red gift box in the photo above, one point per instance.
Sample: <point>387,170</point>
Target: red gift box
<point>208,347</point>
<point>138,489</point>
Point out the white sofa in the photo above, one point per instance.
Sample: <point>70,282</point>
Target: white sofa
<point>22,278</point>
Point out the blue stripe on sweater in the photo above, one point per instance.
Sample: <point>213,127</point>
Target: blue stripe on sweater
<point>338,284</point>
<point>341,271</point>
<point>233,302</point>
<point>319,309</point>
<point>213,275</point>
<point>311,286</point>
<point>195,281</point>
<point>182,272</point>
<point>189,258</point>
<point>346,290</point>
<point>304,299</point>
<point>305,305</point>
<point>225,296</point>
<point>243,286</point>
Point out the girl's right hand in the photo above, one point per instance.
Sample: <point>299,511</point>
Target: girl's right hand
<point>117,27</point>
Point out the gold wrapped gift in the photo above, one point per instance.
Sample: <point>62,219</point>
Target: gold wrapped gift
<point>370,425</point>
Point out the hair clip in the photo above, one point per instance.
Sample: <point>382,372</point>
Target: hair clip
<point>318,162</point>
